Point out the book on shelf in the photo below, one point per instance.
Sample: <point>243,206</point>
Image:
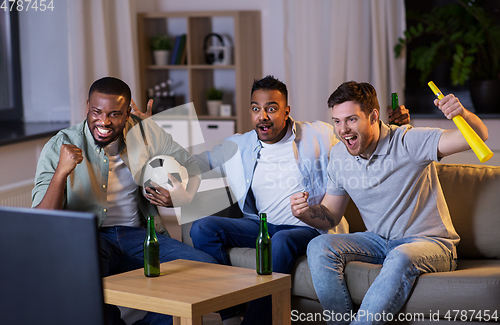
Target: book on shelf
<point>182,49</point>
<point>184,56</point>
<point>177,43</point>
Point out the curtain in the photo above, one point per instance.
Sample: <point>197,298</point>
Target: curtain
<point>101,42</point>
<point>328,42</point>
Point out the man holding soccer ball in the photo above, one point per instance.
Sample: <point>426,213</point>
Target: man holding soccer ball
<point>93,167</point>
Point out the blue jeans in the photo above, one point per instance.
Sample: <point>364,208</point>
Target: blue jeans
<point>122,250</point>
<point>403,261</point>
<point>214,235</point>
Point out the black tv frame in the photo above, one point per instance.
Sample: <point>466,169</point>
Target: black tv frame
<point>15,112</point>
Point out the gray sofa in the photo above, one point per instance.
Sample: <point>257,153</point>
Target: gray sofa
<point>473,196</point>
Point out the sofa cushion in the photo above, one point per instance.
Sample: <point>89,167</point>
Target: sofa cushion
<point>301,277</point>
<point>471,192</point>
<point>475,285</point>
<point>242,257</point>
<point>302,284</point>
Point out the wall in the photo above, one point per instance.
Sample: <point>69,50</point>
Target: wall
<point>467,157</point>
<point>17,174</point>
<point>44,55</point>
<point>272,15</point>
<point>44,49</point>
<point>44,64</point>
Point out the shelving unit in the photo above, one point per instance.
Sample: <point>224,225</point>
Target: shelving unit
<point>192,80</point>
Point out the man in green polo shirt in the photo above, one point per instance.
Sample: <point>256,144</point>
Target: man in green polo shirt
<point>95,167</point>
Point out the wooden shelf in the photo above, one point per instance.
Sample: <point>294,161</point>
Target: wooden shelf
<point>166,67</point>
<point>210,117</point>
<point>212,67</point>
<point>184,66</point>
<point>192,80</point>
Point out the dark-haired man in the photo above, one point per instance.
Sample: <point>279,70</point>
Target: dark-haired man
<point>388,172</point>
<point>89,167</point>
<point>264,167</point>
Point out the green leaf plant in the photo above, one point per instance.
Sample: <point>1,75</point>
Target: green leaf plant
<point>161,42</point>
<point>214,93</point>
<point>462,33</point>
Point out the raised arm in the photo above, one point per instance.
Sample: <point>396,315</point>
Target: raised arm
<point>325,215</point>
<point>452,141</point>
<point>138,112</point>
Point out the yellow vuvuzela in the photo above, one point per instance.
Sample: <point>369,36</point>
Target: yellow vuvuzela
<point>475,142</point>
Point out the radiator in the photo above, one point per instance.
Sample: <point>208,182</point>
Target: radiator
<point>17,194</point>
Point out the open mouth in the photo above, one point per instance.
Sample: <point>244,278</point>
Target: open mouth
<point>103,133</point>
<point>264,128</point>
<point>350,140</point>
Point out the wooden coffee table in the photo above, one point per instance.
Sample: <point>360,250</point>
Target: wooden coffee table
<point>188,290</point>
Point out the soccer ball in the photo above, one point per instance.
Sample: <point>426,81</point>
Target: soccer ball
<point>157,169</point>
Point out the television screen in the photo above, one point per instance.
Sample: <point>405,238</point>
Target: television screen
<point>10,71</point>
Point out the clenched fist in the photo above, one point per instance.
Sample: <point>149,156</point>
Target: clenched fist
<point>299,204</point>
<point>69,157</point>
<point>450,106</point>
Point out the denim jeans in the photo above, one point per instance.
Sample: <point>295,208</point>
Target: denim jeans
<point>403,261</point>
<point>214,234</point>
<point>122,250</point>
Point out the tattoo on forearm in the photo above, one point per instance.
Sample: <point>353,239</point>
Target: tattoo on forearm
<point>322,213</point>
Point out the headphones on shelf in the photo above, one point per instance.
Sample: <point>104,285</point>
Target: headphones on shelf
<point>215,54</point>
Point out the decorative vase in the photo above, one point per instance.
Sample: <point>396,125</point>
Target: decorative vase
<point>225,110</point>
<point>484,96</point>
<point>161,57</point>
<point>213,107</point>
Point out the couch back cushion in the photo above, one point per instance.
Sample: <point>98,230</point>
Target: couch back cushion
<point>472,193</point>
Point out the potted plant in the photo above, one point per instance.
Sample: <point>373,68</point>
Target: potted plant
<point>214,100</point>
<point>161,45</point>
<point>466,36</point>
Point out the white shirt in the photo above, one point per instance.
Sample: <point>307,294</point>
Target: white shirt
<point>121,192</point>
<point>275,179</point>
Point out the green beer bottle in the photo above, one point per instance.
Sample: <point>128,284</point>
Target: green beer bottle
<point>151,251</point>
<point>394,104</point>
<point>394,101</point>
<point>263,248</point>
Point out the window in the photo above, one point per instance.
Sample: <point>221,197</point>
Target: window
<point>418,97</point>
<point>11,108</point>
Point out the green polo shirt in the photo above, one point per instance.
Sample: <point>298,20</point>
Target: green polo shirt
<point>86,186</point>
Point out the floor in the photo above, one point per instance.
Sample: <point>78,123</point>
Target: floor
<point>132,315</point>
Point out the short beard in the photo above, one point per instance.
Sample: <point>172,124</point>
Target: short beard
<point>103,144</point>
<point>366,141</point>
